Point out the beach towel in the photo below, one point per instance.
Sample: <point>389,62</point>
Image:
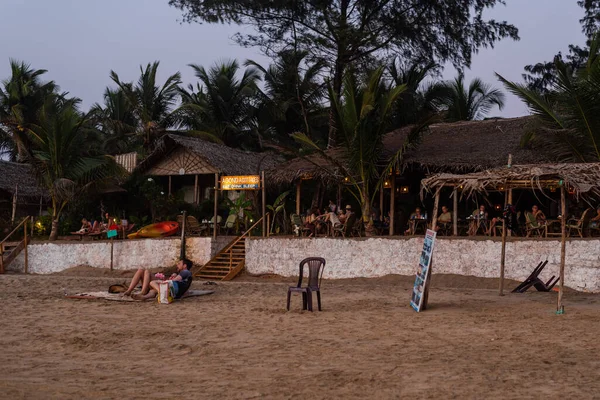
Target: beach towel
<point>120,297</point>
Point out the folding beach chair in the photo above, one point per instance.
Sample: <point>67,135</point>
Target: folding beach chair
<point>535,281</point>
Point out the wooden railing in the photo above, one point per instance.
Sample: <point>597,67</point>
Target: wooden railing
<point>21,243</point>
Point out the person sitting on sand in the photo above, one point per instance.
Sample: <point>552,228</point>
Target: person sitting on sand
<point>181,282</point>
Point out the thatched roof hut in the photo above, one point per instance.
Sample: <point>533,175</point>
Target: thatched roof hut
<point>445,147</point>
<point>19,177</point>
<point>178,155</point>
<point>582,179</point>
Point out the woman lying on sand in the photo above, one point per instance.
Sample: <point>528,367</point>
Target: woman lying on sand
<point>181,282</point>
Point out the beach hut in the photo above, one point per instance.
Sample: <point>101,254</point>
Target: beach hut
<point>459,147</point>
<point>193,164</point>
<point>20,194</point>
<point>581,180</point>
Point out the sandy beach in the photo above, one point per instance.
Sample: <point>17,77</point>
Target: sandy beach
<point>241,343</point>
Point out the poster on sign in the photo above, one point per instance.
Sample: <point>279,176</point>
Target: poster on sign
<point>418,300</point>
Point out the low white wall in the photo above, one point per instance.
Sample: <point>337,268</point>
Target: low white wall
<point>374,257</point>
<point>49,257</point>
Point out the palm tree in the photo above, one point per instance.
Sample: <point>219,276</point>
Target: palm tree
<point>293,94</point>
<point>153,104</point>
<point>470,104</point>
<point>568,117</point>
<point>116,119</point>
<point>419,100</point>
<point>64,160</point>
<point>21,97</point>
<point>363,118</point>
<point>221,104</point>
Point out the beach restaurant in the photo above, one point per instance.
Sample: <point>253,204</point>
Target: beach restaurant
<point>458,149</point>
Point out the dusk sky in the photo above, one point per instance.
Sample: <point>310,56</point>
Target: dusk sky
<point>80,41</point>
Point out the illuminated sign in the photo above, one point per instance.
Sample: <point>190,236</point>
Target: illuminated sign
<point>245,182</point>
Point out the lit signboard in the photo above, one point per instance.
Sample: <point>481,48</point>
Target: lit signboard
<point>245,182</point>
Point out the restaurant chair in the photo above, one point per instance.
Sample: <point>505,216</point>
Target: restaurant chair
<point>229,223</point>
<point>358,227</point>
<point>316,266</point>
<point>579,225</point>
<point>532,225</point>
<point>347,228</point>
<point>297,225</point>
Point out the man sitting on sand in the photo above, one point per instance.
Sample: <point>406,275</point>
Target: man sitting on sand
<point>181,282</point>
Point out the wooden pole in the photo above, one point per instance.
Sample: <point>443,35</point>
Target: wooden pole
<point>339,197</point>
<point>392,205</point>
<point>503,257</point>
<point>436,204</point>
<point>264,204</point>
<point>111,253</point>
<point>215,223</point>
<point>169,185</point>
<point>25,249</point>
<point>510,201</point>
<point>381,192</point>
<point>196,194</point>
<point>268,225</point>
<point>40,214</point>
<point>455,212</point>
<point>182,249</point>
<point>563,212</point>
<point>14,205</point>
<point>298,184</point>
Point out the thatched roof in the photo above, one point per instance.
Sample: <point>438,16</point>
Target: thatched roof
<point>583,178</point>
<point>221,158</point>
<point>449,147</point>
<point>16,176</point>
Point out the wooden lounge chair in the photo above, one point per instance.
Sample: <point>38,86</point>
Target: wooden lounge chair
<point>580,225</point>
<point>532,225</point>
<point>316,266</point>
<point>193,227</point>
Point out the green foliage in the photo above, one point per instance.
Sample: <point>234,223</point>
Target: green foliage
<point>277,207</point>
<point>354,33</point>
<point>21,98</point>
<point>568,123</point>
<point>220,107</point>
<point>292,98</point>
<point>469,104</point>
<point>543,76</point>
<point>363,116</point>
<point>151,104</point>
<point>63,155</point>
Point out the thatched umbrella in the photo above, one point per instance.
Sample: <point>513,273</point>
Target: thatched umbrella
<point>582,179</point>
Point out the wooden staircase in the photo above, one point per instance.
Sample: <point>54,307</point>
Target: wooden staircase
<point>228,262</point>
<point>10,250</point>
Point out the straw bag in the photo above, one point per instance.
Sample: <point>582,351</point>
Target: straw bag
<point>165,292</point>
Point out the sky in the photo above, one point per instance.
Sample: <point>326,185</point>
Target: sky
<point>80,41</point>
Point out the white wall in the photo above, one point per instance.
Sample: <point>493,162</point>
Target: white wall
<point>374,257</point>
<point>49,257</point>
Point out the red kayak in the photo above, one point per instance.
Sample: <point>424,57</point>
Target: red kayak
<point>160,229</point>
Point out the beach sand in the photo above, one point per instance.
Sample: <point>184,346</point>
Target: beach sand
<point>241,343</point>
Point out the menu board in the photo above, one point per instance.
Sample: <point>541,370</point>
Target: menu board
<point>418,300</point>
